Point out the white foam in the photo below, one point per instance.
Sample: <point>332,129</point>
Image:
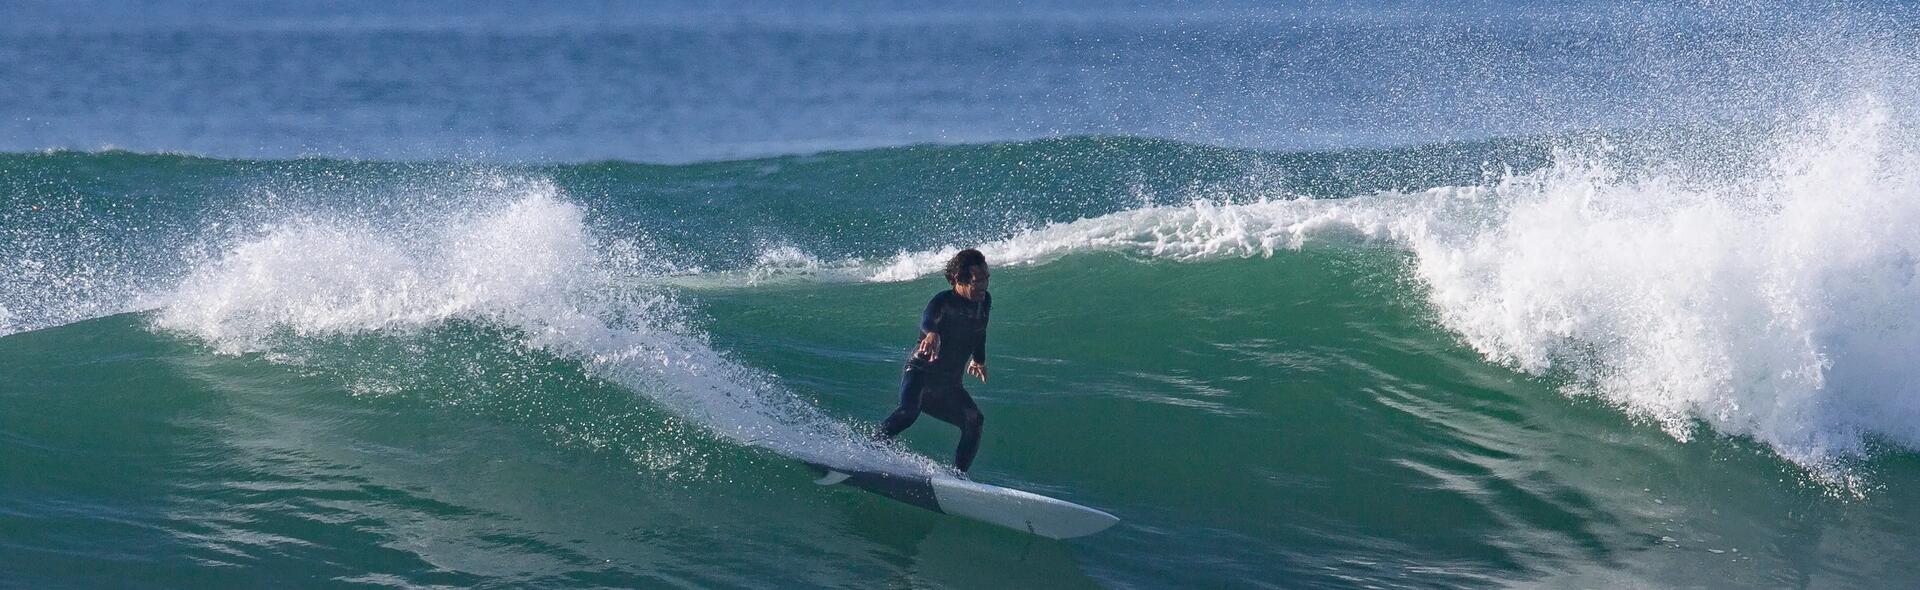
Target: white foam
<point>528,262</point>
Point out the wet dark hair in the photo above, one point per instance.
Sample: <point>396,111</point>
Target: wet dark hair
<point>960,267</point>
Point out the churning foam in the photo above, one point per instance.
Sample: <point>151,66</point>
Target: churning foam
<point>1781,305</point>
<point>527,262</point>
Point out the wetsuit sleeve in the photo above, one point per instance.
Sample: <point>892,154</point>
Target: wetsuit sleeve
<point>930,319</point>
<point>980,350</point>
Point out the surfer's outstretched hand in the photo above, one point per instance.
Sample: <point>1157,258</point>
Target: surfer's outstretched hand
<point>929,347</point>
<point>976,369</point>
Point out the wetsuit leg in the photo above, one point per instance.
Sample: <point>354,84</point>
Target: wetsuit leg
<point>953,405</point>
<point>911,385</point>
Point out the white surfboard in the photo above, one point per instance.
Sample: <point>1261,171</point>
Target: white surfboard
<point>1015,509</point>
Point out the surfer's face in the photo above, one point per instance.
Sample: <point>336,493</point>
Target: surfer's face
<point>975,285</point>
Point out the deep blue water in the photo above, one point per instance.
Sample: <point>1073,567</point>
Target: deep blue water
<point>677,82</point>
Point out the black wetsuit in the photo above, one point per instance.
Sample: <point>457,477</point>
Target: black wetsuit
<point>934,387</point>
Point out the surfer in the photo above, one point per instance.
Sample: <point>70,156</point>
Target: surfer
<point>953,340</point>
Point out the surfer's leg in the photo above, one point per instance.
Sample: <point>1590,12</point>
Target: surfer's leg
<point>911,384</point>
<point>955,406</point>
<point>971,423</point>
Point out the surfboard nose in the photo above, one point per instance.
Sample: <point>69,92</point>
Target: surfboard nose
<point>1019,509</point>
<point>1093,521</point>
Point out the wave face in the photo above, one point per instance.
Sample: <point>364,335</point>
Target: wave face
<point>1771,303</point>
<point>1648,358</point>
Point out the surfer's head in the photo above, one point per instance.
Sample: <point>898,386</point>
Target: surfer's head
<point>967,272</point>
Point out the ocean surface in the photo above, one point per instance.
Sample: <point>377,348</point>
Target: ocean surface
<point>404,294</point>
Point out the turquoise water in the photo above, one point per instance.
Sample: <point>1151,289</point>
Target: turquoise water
<point>593,375</point>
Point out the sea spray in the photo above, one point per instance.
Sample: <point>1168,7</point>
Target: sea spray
<point>63,259</point>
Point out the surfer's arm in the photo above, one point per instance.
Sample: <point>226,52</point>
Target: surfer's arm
<point>929,331</point>
<point>979,365</point>
<point>930,319</point>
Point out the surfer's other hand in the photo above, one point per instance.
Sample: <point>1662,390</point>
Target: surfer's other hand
<point>976,369</point>
<point>929,347</point>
